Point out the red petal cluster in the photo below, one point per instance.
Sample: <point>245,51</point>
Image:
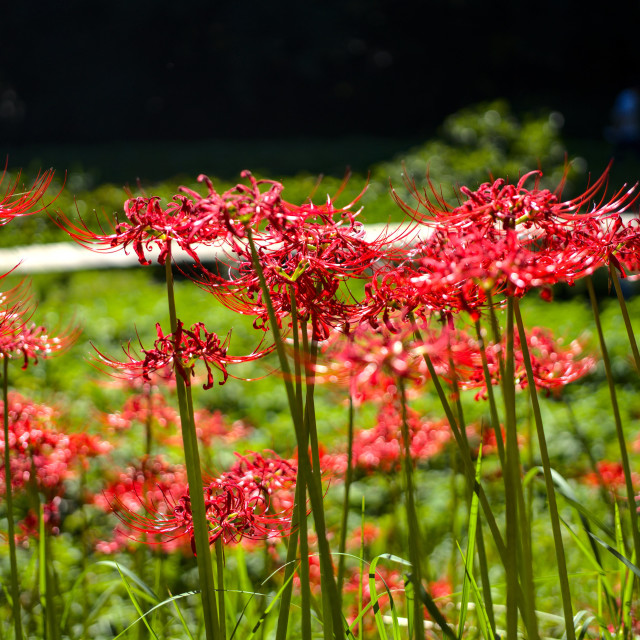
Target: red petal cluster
<point>43,457</point>
<point>245,502</point>
<point>13,205</point>
<point>381,448</point>
<point>180,350</point>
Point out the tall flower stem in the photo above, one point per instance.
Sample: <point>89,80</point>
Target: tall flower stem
<point>333,621</point>
<point>511,476</point>
<point>495,420</point>
<point>301,490</point>
<point>519,557</point>
<point>548,478</point>
<point>11,533</point>
<point>415,548</point>
<point>482,554</point>
<point>220,571</point>
<point>196,485</point>
<point>290,567</point>
<point>345,502</point>
<point>310,351</point>
<point>625,315</point>
<point>624,456</point>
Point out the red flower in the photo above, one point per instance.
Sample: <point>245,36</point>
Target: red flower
<point>306,253</point>
<point>239,504</point>
<point>517,238</point>
<point>189,220</point>
<point>182,350</point>
<point>13,205</point>
<point>41,456</point>
<point>553,366</point>
<point>381,448</point>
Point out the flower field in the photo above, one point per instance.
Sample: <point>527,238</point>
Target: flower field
<point>431,432</point>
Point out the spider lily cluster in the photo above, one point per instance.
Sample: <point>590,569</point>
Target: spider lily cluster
<point>386,317</point>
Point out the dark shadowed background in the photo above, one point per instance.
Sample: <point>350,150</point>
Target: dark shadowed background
<point>117,84</point>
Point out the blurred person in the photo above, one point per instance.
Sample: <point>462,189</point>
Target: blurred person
<point>624,130</point>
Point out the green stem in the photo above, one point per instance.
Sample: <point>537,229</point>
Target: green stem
<point>469,468</point>
<point>311,429</point>
<point>292,554</point>
<point>415,548</point>
<point>345,502</point>
<point>484,574</point>
<point>305,583</point>
<point>495,420</point>
<point>624,456</point>
<point>196,485</point>
<point>13,562</point>
<point>511,476</point>
<point>548,478</point>
<point>519,555</point>
<point>148,422</point>
<point>625,316</point>
<point>221,590</point>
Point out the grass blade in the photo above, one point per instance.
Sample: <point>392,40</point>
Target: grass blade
<point>471,538</point>
<point>136,605</point>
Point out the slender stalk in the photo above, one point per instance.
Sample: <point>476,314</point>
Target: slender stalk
<point>548,478</point>
<point>11,532</point>
<point>469,469</point>
<point>221,590</point>
<point>495,420</point>
<point>625,316</point>
<point>149,421</point>
<point>311,430</point>
<point>301,490</point>
<point>315,492</point>
<point>624,456</point>
<point>484,574</point>
<point>482,554</point>
<point>196,485</point>
<point>518,529</point>
<point>290,567</point>
<point>415,548</point>
<point>345,502</point>
<point>511,478</point>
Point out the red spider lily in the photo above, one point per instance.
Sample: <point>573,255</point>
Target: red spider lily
<point>610,475</point>
<point>141,408</point>
<point>499,203</point>
<point>553,366</point>
<point>371,362</point>
<point>189,220</point>
<point>147,481</point>
<point>306,255</point>
<point>20,337</point>
<point>149,225</point>
<point>242,207</point>
<point>181,350</point>
<point>518,237</point>
<point>13,205</point>
<point>33,342</point>
<point>272,476</point>
<point>235,509</point>
<point>42,457</point>
<point>381,448</point>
